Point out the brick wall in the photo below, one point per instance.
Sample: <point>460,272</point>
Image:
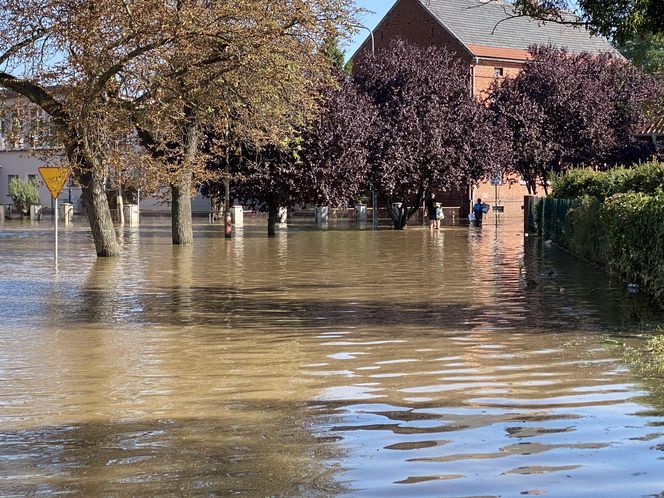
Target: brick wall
<point>408,20</point>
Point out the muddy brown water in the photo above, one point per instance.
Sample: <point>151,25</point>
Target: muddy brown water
<point>319,363</point>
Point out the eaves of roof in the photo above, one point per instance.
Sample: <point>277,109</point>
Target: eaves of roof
<point>499,53</point>
<point>653,128</point>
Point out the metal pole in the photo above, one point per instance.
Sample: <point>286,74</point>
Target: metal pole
<point>495,202</point>
<point>374,208</point>
<point>55,218</point>
<point>373,41</point>
<point>374,218</point>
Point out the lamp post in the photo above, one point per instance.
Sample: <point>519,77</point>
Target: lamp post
<point>374,217</point>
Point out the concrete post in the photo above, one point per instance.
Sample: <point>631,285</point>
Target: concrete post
<point>237,214</point>
<point>131,215</point>
<point>36,212</point>
<point>282,215</point>
<point>67,212</point>
<point>361,213</point>
<point>396,206</point>
<point>322,214</point>
<point>3,213</point>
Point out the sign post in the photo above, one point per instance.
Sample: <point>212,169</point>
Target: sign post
<point>496,180</point>
<point>54,179</point>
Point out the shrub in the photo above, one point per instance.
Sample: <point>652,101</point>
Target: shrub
<point>647,178</point>
<point>24,193</point>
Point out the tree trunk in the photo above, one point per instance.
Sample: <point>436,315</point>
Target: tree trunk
<point>401,220</point>
<point>99,215</point>
<point>181,222</point>
<point>228,226</point>
<point>272,221</point>
<point>217,207</point>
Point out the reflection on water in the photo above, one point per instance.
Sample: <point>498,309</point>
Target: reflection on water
<point>318,363</point>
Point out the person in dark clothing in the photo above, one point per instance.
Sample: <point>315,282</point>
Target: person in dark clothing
<point>431,212</point>
<point>478,211</point>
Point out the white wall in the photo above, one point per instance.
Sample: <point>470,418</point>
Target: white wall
<point>22,163</point>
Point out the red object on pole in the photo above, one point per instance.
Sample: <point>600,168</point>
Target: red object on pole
<point>228,225</point>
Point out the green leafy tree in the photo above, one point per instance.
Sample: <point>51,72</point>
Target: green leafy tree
<point>24,194</point>
<point>646,51</point>
<point>618,20</point>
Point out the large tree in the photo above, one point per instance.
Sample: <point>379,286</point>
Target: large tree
<point>323,164</point>
<point>101,68</point>
<point>568,109</point>
<point>256,75</point>
<point>65,57</point>
<point>618,20</point>
<point>430,133</point>
<point>645,50</point>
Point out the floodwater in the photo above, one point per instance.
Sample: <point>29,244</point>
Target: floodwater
<point>319,363</point>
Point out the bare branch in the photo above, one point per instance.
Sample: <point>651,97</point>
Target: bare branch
<point>13,50</point>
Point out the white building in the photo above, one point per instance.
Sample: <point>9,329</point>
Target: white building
<point>22,152</point>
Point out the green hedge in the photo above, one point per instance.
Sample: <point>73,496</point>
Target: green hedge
<point>624,234</point>
<point>647,178</point>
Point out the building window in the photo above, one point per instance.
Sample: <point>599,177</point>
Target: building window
<point>498,72</point>
<point>33,179</point>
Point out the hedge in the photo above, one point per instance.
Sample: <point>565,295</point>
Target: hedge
<point>624,234</point>
<point>647,178</point>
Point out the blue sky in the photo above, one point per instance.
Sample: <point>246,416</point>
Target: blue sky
<point>370,20</point>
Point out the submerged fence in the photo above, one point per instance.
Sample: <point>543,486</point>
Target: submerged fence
<point>624,234</point>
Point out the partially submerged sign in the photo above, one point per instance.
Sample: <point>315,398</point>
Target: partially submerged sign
<point>54,178</point>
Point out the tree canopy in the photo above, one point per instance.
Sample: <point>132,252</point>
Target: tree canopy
<point>618,20</point>
<point>430,132</point>
<point>568,109</point>
<point>646,50</point>
<point>323,164</point>
<point>100,68</point>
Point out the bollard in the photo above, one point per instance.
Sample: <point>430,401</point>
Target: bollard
<point>237,215</point>
<point>36,212</point>
<point>396,206</point>
<point>322,214</point>
<point>131,215</point>
<point>67,212</point>
<point>282,215</point>
<point>361,213</point>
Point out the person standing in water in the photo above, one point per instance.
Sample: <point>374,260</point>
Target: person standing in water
<point>478,211</point>
<point>431,209</point>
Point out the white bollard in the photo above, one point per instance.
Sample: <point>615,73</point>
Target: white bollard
<point>67,212</point>
<point>322,214</point>
<point>361,213</point>
<point>282,215</point>
<point>131,215</point>
<point>35,212</point>
<point>237,215</point>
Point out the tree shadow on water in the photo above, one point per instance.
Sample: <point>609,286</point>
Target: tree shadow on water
<point>273,456</point>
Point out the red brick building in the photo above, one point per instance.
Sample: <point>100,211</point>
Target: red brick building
<point>493,42</point>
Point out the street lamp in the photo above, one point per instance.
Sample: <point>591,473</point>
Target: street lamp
<point>374,217</point>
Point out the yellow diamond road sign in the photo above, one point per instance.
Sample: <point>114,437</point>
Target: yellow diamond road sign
<point>54,178</point>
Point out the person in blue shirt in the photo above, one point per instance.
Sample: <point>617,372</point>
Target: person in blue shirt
<point>478,211</point>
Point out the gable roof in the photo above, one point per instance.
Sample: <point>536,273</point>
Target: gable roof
<point>487,29</point>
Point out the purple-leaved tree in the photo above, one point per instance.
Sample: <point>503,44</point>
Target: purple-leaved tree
<point>430,132</point>
<point>568,109</point>
<point>324,164</point>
